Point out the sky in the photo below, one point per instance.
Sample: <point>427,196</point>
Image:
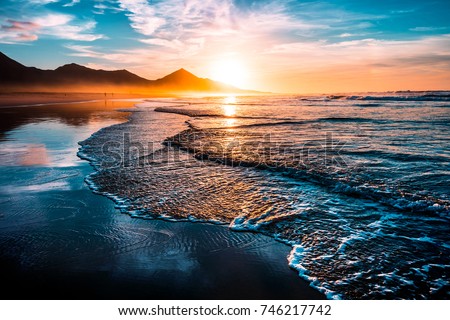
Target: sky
<point>277,46</point>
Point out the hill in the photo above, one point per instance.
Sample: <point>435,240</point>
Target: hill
<point>76,78</point>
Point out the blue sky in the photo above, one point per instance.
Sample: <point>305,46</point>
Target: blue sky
<point>290,46</point>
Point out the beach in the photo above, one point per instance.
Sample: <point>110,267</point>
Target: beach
<point>236,150</point>
<point>275,197</point>
<point>59,240</point>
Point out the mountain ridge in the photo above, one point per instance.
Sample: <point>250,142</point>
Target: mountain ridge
<point>75,77</point>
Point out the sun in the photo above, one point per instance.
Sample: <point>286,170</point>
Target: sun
<point>231,71</point>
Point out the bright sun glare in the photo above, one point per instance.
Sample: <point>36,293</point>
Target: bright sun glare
<point>232,72</point>
<point>229,109</point>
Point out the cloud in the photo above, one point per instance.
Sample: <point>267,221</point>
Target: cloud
<point>53,25</point>
<point>73,32</point>
<point>83,51</point>
<point>430,53</point>
<point>72,3</point>
<point>402,11</point>
<point>142,16</point>
<point>425,29</point>
<point>125,57</point>
<point>174,19</point>
<point>52,20</point>
<point>42,2</point>
<point>14,25</point>
<point>101,6</point>
<point>22,31</point>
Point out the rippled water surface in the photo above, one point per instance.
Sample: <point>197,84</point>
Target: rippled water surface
<point>358,185</point>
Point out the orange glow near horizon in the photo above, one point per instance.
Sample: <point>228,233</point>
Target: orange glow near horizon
<point>230,71</point>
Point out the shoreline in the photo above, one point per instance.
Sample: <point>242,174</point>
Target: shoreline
<point>31,99</point>
<point>153,265</point>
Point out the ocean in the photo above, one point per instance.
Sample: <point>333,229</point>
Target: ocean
<point>357,185</point>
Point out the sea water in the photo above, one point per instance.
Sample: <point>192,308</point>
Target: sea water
<point>357,184</point>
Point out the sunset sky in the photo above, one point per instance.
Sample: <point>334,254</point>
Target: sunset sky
<point>278,46</point>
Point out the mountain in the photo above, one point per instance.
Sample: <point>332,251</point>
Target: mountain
<point>74,77</point>
<point>12,71</point>
<point>9,64</point>
<point>182,79</point>
<point>76,73</point>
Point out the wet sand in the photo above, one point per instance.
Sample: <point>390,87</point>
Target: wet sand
<point>58,240</point>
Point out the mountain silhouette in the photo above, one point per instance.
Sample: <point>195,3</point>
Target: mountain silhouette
<point>184,79</point>
<point>74,72</point>
<point>73,77</point>
<point>13,71</point>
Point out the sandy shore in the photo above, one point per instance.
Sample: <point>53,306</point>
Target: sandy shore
<point>58,240</point>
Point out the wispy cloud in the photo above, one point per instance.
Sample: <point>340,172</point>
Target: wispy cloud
<point>99,8</point>
<point>13,31</point>
<point>122,57</point>
<point>402,11</point>
<point>53,25</point>
<point>72,3</point>
<point>142,16</point>
<point>366,51</point>
<point>20,26</point>
<point>426,29</point>
<point>83,51</point>
<point>103,6</point>
<point>42,2</point>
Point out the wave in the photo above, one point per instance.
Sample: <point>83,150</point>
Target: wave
<point>289,122</point>
<point>438,96</point>
<point>398,156</point>
<point>303,122</point>
<point>197,142</point>
<point>443,96</point>
<point>198,113</point>
<point>280,121</point>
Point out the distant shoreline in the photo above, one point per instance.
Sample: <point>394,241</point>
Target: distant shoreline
<point>33,99</point>
<point>46,98</point>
